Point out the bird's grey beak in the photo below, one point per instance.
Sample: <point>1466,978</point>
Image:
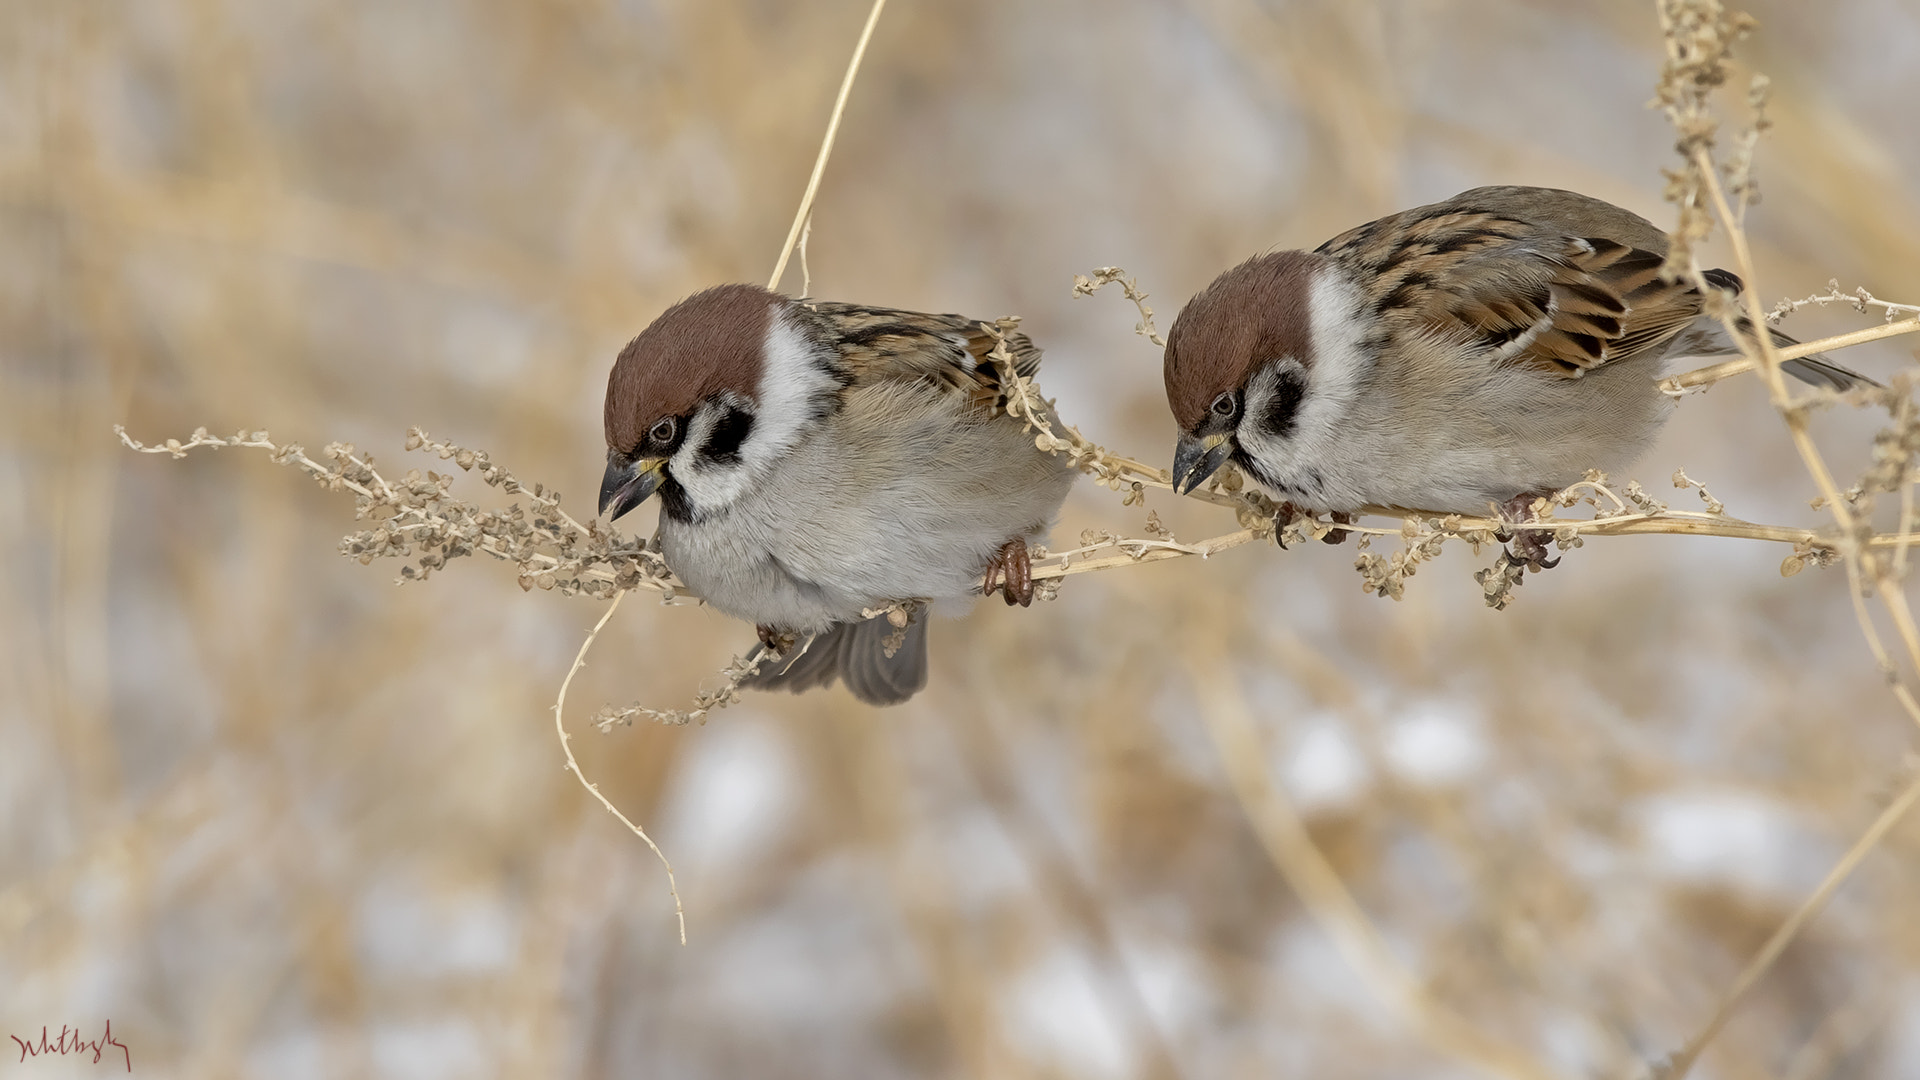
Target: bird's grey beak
<point>1196,459</point>
<point>628,483</point>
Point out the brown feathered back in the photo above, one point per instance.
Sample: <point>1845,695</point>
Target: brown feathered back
<point>1535,275</point>
<point>951,351</point>
<point>1538,276</point>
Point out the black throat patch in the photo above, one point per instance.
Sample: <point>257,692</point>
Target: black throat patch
<point>674,501</point>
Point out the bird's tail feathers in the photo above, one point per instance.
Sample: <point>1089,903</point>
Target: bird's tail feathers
<point>1707,337</point>
<point>881,664</point>
<point>1818,369</point>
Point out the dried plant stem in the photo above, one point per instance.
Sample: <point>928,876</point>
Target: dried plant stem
<point>1317,883</point>
<point>806,271</point>
<point>573,764</point>
<point>1670,522</point>
<point>1891,595</point>
<point>414,514</point>
<point>1882,658</point>
<point>1683,1061</point>
<point>1902,544</point>
<point>1859,300</point>
<point>826,146</point>
<point>1862,568</point>
<point>1713,373</point>
<point>1063,564</point>
<point>1088,284</point>
<point>1120,551</point>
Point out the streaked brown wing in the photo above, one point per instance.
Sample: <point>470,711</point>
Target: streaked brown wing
<point>1525,292</point>
<point>949,351</point>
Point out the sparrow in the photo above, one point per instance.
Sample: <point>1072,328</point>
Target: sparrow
<point>818,460</point>
<point>1488,349</point>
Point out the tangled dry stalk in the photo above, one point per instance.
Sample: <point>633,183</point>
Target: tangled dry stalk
<point>416,518</point>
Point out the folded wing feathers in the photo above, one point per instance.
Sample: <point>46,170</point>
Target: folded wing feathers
<point>950,351</point>
<point>1610,304</point>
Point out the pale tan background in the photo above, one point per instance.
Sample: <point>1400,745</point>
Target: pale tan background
<point>274,816</point>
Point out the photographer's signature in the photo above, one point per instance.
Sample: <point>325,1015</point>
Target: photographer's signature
<point>70,1042</point>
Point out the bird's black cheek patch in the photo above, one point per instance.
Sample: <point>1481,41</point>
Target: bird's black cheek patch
<point>1282,413</point>
<point>723,446</point>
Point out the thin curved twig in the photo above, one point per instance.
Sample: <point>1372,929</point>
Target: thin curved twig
<point>593,789</point>
<point>1681,1062</point>
<point>1861,567</point>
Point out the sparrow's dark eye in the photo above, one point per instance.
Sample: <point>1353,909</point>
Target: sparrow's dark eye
<point>1225,405</point>
<point>662,432</point>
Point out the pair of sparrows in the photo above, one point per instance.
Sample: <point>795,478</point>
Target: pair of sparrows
<point>816,461</point>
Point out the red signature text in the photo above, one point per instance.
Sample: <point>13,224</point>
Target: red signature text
<point>70,1042</point>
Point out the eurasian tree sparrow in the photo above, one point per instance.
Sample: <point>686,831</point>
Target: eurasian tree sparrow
<point>815,460</point>
<point>1483,350</point>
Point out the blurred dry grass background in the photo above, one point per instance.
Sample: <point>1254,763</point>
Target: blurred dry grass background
<point>274,816</point>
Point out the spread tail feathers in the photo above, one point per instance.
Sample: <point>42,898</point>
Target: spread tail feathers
<point>855,653</point>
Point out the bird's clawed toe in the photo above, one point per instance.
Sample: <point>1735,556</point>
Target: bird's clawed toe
<point>1011,571</point>
<point>1338,536</point>
<point>1524,546</point>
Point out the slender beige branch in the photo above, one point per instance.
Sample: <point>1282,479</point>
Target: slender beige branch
<point>363,480</point>
<point>1861,568</point>
<point>593,789</point>
<point>1675,385</point>
<point>1060,566</point>
<point>801,216</point>
<point>1671,523</point>
<point>1859,300</point>
<point>1683,1061</point>
<point>1851,338</point>
<point>1891,595</point>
